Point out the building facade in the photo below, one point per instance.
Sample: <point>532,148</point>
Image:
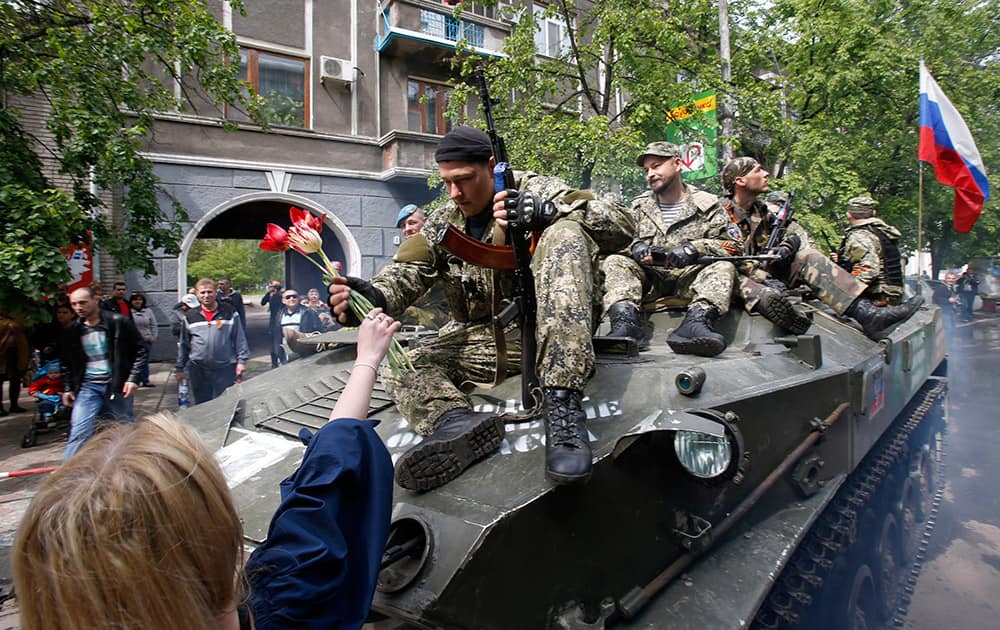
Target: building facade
<point>357,91</point>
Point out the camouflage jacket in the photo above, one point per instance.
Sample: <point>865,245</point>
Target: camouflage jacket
<point>429,311</point>
<point>862,254</point>
<point>747,232</point>
<point>702,221</point>
<point>420,262</point>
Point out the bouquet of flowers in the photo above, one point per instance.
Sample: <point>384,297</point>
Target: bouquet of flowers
<point>304,237</point>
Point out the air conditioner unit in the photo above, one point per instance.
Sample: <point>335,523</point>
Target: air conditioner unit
<point>336,70</point>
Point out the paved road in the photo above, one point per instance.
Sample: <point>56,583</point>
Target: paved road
<point>960,583</point>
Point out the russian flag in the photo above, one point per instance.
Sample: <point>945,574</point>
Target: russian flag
<point>945,142</point>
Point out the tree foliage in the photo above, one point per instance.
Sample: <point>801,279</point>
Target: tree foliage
<point>824,91</point>
<point>242,261</point>
<point>104,68</point>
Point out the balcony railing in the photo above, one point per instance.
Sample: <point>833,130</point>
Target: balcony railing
<point>447,27</point>
<point>405,23</point>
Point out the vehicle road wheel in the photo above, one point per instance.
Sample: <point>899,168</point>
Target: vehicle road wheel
<point>861,609</point>
<point>910,519</point>
<point>888,583</point>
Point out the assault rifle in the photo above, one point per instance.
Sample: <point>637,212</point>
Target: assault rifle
<point>516,257</point>
<point>826,239</point>
<point>781,221</point>
<point>758,257</point>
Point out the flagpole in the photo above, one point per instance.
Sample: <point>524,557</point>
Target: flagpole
<point>920,219</point>
<point>920,205</point>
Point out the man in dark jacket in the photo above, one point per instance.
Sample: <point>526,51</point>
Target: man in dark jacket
<point>117,302</point>
<point>967,287</point>
<point>273,301</point>
<point>294,321</point>
<point>102,358</point>
<point>213,348</point>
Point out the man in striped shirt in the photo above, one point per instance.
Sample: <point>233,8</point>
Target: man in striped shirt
<point>103,357</point>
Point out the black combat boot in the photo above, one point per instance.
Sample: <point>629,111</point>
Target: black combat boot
<point>776,308</point>
<point>624,317</point>
<point>567,447</point>
<point>877,321</point>
<point>695,335</point>
<point>462,437</point>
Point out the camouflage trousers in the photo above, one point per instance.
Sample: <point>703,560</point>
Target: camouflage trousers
<point>564,266</point>
<point>706,285</point>
<point>447,367</point>
<point>833,286</point>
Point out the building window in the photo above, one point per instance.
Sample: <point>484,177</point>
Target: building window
<point>447,27</point>
<point>426,104</point>
<point>552,34</point>
<point>282,81</point>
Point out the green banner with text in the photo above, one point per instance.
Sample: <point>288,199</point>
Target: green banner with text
<point>694,126</point>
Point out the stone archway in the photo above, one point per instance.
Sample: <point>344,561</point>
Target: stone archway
<point>348,243</point>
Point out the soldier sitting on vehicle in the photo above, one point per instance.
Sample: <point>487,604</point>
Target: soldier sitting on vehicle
<point>431,309</point>
<point>870,251</point>
<point>676,223</point>
<point>743,180</point>
<point>575,227</point>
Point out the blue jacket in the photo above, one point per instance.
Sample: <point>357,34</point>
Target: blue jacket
<point>319,564</point>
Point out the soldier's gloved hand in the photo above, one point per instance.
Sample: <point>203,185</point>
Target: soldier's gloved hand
<point>787,248</point>
<point>529,213</point>
<point>339,299</point>
<point>683,255</point>
<point>640,251</point>
<point>774,283</point>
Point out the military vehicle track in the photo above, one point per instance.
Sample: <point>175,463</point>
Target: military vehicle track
<point>851,570</point>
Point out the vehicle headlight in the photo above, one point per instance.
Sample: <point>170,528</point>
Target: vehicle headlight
<point>704,456</point>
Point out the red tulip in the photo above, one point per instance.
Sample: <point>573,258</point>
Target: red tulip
<point>276,239</point>
<point>306,219</point>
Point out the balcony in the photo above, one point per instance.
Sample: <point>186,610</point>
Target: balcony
<point>408,27</point>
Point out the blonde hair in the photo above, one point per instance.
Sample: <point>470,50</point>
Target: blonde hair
<point>137,530</point>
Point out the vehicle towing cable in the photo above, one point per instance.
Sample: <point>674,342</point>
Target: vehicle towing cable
<point>629,606</point>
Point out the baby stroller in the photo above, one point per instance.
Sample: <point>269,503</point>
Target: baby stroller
<point>50,414</point>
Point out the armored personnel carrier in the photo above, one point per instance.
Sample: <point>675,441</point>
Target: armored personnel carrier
<point>786,482</point>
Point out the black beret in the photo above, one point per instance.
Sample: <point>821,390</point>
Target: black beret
<point>465,144</point>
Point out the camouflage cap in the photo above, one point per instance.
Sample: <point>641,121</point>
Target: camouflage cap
<point>778,196</point>
<point>861,206</point>
<point>661,149</point>
<point>736,167</point>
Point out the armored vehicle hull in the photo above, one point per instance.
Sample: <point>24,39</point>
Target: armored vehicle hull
<point>723,472</point>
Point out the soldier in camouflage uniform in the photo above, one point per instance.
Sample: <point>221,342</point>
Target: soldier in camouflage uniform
<point>676,224</point>
<point>870,252</point>
<point>431,309</point>
<point>743,180</point>
<point>575,228</point>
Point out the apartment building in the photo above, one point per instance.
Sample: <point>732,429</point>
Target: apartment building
<point>357,91</point>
